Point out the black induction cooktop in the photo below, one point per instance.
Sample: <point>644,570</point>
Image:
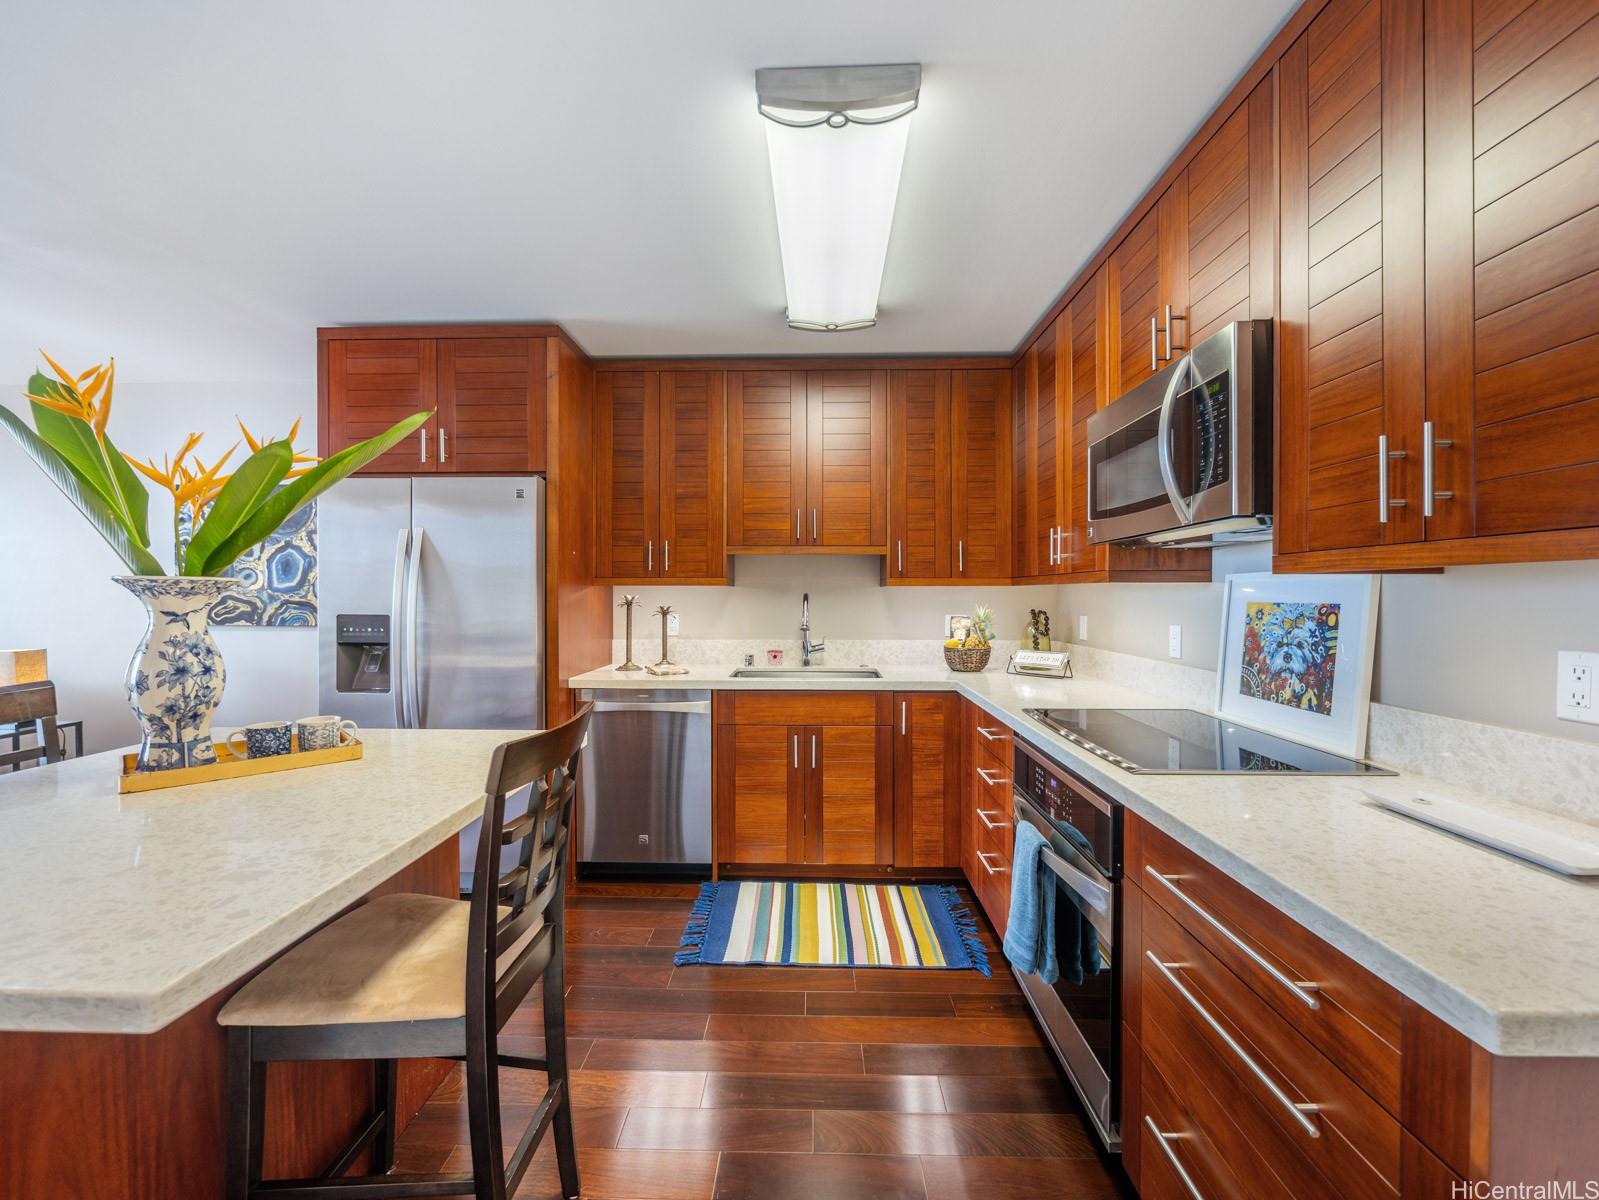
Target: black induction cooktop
<point>1180,741</point>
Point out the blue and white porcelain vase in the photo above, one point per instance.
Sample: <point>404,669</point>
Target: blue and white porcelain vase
<point>175,679</point>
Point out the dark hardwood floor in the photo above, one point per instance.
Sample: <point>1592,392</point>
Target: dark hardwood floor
<point>765,1083</point>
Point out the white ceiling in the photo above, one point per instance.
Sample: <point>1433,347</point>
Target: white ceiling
<point>195,186</point>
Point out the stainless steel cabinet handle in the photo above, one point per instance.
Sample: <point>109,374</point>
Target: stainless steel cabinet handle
<point>983,856</point>
<point>1384,456</point>
<point>1295,1110</point>
<point>992,735</point>
<point>1428,475</point>
<point>1060,545</point>
<point>813,524</point>
<point>1052,545</point>
<point>982,815</point>
<point>1302,991</point>
<point>989,779</point>
<point>903,705</point>
<point>649,556</point>
<point>1162,1140</point>
<point>444,445</point>
<point>1154,345</point>
<point>796,524</point>
<point>422,443</point>
<point>960,556</point>
<point>666,557</point>
<point>813,752</point>
<point>1167,332</point>
<point>901,551</point>
<point>796,751</point>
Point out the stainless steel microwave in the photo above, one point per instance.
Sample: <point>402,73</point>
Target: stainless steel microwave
<point>1187,453</point>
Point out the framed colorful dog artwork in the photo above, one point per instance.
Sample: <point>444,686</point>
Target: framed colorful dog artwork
<point>1296,657</point>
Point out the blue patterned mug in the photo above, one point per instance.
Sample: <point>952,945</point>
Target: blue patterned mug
<point>261,740</point>
<point>323,733</point>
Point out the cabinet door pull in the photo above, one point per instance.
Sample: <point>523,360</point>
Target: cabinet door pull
<point>796,751</point>
<point>992,735</point>
<point>1428,474</point>
<point>1162,1140</point>
<point>901,546</point>
<point>1302,991</point>
<point>1384,456</point>
<point>983,814</point>
<point>444,445</point>
<point>989,778</point>
<point>813,525</point>
<point>649,557</point>
<point>903,705</point>
<point>796,524</point>
<point>960,556</point>
<point>1154,344</point>
<point>666,557</point>
<point>813,752</point>
<point>422,443</point>
<point>983,856</point>
<point>1295,1110</point>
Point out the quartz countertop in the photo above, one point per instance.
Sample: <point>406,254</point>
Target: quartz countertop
<point>122,913</point>
<point>1504,951</point>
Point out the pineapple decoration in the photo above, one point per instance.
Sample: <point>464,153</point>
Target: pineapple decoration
<point>969,651</point>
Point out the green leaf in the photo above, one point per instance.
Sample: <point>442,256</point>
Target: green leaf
<point>239,498</point>
<point>292,496</point>
<point>107,523</point>
<point>100,466</point>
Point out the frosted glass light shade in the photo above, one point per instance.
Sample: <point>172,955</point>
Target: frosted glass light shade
<point>23,666</point>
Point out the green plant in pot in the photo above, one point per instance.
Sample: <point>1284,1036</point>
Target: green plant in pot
<point>176,677</point>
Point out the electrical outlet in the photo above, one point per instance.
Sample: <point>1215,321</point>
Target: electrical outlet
<point>1174,642</point>
<point>671,624</point>
<point>1574,686</point>
<point>1082,627</point>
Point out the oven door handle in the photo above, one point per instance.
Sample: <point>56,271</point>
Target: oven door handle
<point>1180,503</point>
<point>1095,893</point>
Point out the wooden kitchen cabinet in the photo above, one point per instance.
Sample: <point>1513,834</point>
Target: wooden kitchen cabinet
<point>807,461</point>
<point>804,780</point>
<point>658,471</point>
<point>1045,468</point>
<point>487,387</point>
<point>1148,282</point>
<point>949,476</point>
<point>927,779</point>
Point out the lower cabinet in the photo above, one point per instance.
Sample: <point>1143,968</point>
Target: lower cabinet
<point>865,781</point>
<point>988,835</point>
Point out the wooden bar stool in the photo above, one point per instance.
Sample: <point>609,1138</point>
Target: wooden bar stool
<point>411,976</point>
<point>30,703</point>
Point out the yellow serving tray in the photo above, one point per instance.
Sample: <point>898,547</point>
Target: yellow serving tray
<point>231,766</point>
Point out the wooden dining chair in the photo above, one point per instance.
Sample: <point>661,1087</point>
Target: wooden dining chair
<point>35,704</point>
<point>411,976</point>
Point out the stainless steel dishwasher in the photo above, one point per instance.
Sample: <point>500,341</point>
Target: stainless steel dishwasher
<point>646,776</point>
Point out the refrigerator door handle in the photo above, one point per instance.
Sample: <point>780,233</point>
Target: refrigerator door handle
<point>402,560</point>
<point>413,589</point>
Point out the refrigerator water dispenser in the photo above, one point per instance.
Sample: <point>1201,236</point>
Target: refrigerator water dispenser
<point>363,652</point>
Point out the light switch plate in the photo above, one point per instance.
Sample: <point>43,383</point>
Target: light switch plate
<point>671,624</point>
<point>1082,627</point>
<point>1174,641</point>
<point>1574,686</point>
<point>774,658</point>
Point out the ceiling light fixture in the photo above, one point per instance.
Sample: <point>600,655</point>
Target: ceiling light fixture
<point>836,140</point>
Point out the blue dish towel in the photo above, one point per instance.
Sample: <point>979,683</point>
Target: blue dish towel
<point>1030,929</point>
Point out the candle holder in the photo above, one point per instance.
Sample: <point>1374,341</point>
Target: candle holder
<point>629,603</point>
<point>666,666</point>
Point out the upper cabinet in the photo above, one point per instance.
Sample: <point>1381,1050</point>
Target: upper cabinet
<point>487,394</point>
<point>807,461</point>
<point>1440,285</point>
<point>1149,292</point>
<point>658,472</point>
<point>949,475</point>
<point>1044,413</point>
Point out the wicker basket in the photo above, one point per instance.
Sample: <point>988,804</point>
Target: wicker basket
<point>967,660</point>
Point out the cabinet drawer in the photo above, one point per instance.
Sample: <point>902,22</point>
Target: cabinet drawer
<point>988,788</point>
<point>1291,1102</point>
<point>803,708</point>
<point>1185,1130</point>
<point>1341,1008</point>
<point>988,732</point>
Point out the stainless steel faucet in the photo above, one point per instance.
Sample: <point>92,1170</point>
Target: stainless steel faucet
<point>807,647</point>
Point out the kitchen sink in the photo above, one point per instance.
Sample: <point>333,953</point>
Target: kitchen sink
<point>807,673</point>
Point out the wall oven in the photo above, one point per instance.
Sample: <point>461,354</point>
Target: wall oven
<point>1081,1010</point>
<point>1187,453</point>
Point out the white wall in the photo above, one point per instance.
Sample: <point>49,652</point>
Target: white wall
<point>848,601</point>
<point>56,589</point>
<point>1474,643</point>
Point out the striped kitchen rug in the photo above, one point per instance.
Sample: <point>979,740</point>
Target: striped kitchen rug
<point>832,925</point>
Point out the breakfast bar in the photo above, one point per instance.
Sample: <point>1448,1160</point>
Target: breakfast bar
<point>129,920</point>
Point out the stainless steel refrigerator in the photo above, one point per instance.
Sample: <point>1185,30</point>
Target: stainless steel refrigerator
<point>431,595</point>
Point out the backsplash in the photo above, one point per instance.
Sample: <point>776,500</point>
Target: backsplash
<point>841,652</point>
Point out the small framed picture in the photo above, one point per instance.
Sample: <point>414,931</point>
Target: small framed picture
<point>1296,657</point>
<point>957,626</point>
